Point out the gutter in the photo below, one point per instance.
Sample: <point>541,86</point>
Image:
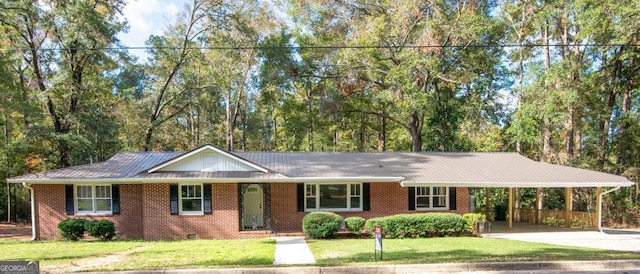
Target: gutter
<point>600,206</point>
<point>216,180</point>
<point>33,211</point>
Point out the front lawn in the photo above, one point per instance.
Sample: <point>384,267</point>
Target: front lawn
<point>451,250</point>
<point>198,254</point>
<point>56,252</point>
<point>149,255</point>
<point>142,255</point>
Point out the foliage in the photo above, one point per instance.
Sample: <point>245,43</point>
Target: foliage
<point>321,225</point>
<point>473,220</point>
<point>553,221</point>
<point>72,228</point>
<point>420,225</point>
<point>355,224</point>
<point>102,229</point>
<point>329,76</point>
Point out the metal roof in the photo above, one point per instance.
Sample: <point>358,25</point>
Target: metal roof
<point>409,168</point>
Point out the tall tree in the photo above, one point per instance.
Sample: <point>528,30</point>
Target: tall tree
<point>64,44</point>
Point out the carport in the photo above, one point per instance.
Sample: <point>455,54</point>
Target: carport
<point>511,171</point>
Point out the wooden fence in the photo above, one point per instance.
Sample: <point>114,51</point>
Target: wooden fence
<point>557,217</point>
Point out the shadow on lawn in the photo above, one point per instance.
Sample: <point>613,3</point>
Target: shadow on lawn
<point>466,255</point>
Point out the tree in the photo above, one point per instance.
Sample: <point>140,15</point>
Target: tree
<point>64,42</point>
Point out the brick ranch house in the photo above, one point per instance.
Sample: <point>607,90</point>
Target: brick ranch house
<point>211,193</point>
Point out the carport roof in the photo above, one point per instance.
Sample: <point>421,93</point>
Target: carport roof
<point>409,168</point>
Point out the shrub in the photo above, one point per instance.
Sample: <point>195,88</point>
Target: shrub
<point>72,228</point>
<point>321,225</point>
<point>102,229</point>
<point>472,220</point>
<point>355,224</point>
<point>421,225</point>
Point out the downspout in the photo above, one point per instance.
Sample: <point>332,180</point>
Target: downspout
<point>600,206</point>
<point>33,211</point>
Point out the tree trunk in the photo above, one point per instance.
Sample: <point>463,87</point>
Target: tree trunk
<point>415,124</point>
<point>230,123</point>
<point>546,139</point>
<point>605,121</point>
<point>569,145</point>
<point>309,121</point>
<point>382,135</point>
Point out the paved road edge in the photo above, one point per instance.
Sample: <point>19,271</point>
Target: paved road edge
<point>422,268</point>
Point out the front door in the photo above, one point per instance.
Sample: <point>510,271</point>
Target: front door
<point>252,209</point>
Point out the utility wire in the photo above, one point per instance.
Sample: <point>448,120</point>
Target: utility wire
<point>588,45</point>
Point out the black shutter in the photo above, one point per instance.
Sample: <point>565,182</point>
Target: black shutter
<point>300,195</point>
<point>207,199</point>
<point>412,198</point>
<point>68,196</point>
<point>115,199</point>
<point>452,198</point>
<point>366,201</point>
<point>173,192</point>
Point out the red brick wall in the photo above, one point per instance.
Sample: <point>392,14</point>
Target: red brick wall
<point>145,211</point>
<point>160,224</point>
<point>284,208</point>
<point>386,199</point>
<point>51,210</point>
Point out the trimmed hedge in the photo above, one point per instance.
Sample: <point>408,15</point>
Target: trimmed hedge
<point>421,225</point>
<point>355,224</point>
<point>472,220</point>
<point>321,225</point>
<point>72,228</point>
<point>102,229</point>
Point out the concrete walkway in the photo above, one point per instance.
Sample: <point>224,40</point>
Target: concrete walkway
<point>292,251</point>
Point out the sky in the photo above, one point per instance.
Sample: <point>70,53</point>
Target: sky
<point>147,17</point>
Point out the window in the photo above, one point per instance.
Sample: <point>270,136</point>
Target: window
<point>431,197</point>
<point>333,197</point>
<point>191,199</point>
<point>310,196</point>
<point>93,199</point>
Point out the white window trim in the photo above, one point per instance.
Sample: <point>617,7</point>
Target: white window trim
<point>431,196</point>
<point>93,200</point>
<point>191,213</point>
<point>318,208</point>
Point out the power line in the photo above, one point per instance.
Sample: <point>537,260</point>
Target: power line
<point>336,47</point>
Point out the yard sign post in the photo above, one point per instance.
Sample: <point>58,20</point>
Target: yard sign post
<point>378,243</point>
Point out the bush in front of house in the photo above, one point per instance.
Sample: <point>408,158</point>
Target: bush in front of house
<point>102,229</point>
<point>72,228</point>
<point>472,220</point>
<point>420,225</point>
<point>321,225</point>
<point>355,224</point>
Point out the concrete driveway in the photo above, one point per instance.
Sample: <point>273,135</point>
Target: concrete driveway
<point>612,239</point>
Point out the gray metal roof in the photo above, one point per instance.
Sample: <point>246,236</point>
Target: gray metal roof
<point>454,169</point>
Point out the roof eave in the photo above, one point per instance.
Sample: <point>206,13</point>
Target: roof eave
<point>210,180</point>
<point>520,184</point>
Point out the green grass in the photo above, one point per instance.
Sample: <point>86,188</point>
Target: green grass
<point>149,255</point>
<point>199,253</point>
<point>450,250</point>
<point>55,252</point>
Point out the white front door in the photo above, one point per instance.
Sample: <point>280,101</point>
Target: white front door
<point>252,210</point>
